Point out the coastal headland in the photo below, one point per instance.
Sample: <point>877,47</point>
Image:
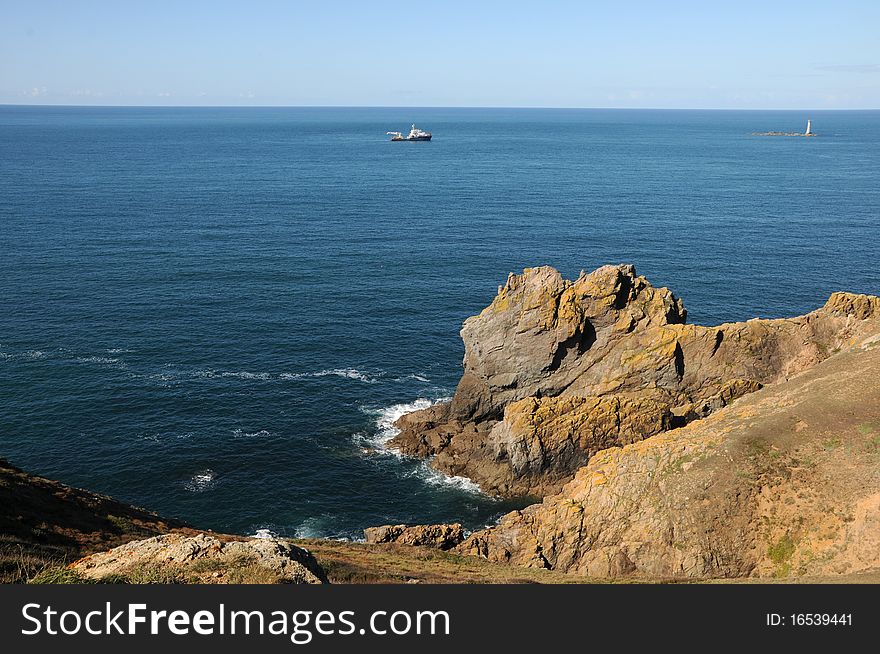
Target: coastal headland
<point>653,449</point>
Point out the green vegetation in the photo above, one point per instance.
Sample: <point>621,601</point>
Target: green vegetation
<point>58,575</point>
<point>830,444</point>
<point>780,553</point>
<point>782,550</point>
<point>206,565</point>
<point>124,525</point>
<point>757,447</point>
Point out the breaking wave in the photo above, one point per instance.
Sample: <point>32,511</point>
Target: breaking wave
<point>241,433</point>
<point>321,526</point>
<point>385,419</point>
<point>210,373</point>
<point>100,360</point>
<point>201,481</point>
<point>436,478</point>
<point>27,354</point>
<point>385,431</point>
<point>347,373</point>
<point>414,377</point>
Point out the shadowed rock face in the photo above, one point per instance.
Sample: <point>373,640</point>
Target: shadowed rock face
<point>785,482</point>
<point>556,370</point>
<point>443,537</point>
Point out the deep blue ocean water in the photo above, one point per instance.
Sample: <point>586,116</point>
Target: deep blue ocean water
<point>215,313</point>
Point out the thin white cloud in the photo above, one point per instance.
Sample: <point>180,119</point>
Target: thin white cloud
<point>87,93</point>
<point>850,68</point>
<point>36,92</point>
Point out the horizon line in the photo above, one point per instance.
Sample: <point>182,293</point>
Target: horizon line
<point>357,106</point>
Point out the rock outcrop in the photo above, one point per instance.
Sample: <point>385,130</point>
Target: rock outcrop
<point>785,482</point>
<point>442,537</point>
<point>556,370</point>
<point>202,559</point>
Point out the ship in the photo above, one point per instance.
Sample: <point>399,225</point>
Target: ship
<point>415,134</point>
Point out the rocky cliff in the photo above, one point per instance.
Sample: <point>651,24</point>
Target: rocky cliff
<point>51,533</point>
<point>784,483</point>
<point>661,450</point>
<point>557,370</point>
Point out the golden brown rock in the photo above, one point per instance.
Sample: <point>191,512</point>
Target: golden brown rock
<point>203,558</point>
<point>609,333</point>
<point>443,537</point>
<point>785,482</point>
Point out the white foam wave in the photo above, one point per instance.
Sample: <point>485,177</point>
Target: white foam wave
<point>27,354</point>
<point>164,436</point>
<point>264,533</point>
<point>433,477</point>
<point>201,481</point>
<point>387,416</point>
<point>318,527</point>
<point>385,431</point>
<point>347,373</point>
<point>210,373</point>
<point>247,375</point>
<point>414,376</point>
<point>241,433</point>
<point>118,350</point>
<point>163,377</point>
<point>106,361</point>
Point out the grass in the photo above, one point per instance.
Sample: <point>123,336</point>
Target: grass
<point>830,444</point>
<point>206,565</point>
<point>20,561</point>
<point>59,575</point>
<point>757,447</point>
<point>361,563</point>
<point>240,570</point>
<point>124,525</point>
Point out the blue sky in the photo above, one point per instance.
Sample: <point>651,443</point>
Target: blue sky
<point>770,54</point>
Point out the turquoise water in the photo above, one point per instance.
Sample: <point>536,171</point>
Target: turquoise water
<point>215,313</point>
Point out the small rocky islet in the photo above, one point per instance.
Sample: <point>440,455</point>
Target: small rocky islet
<point>653,449</point>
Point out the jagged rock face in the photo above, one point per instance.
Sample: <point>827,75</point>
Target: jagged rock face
<point>607,334</point>
<point>204,559</point>
<point>543,441</point>
<point>442,537</point>
<point>534,339</point>
<point>540,443</point>
<point>785,482</point>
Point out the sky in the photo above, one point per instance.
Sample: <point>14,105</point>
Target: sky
<point>771,54</point>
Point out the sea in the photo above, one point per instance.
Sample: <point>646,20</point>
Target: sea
<point>218,313</point>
